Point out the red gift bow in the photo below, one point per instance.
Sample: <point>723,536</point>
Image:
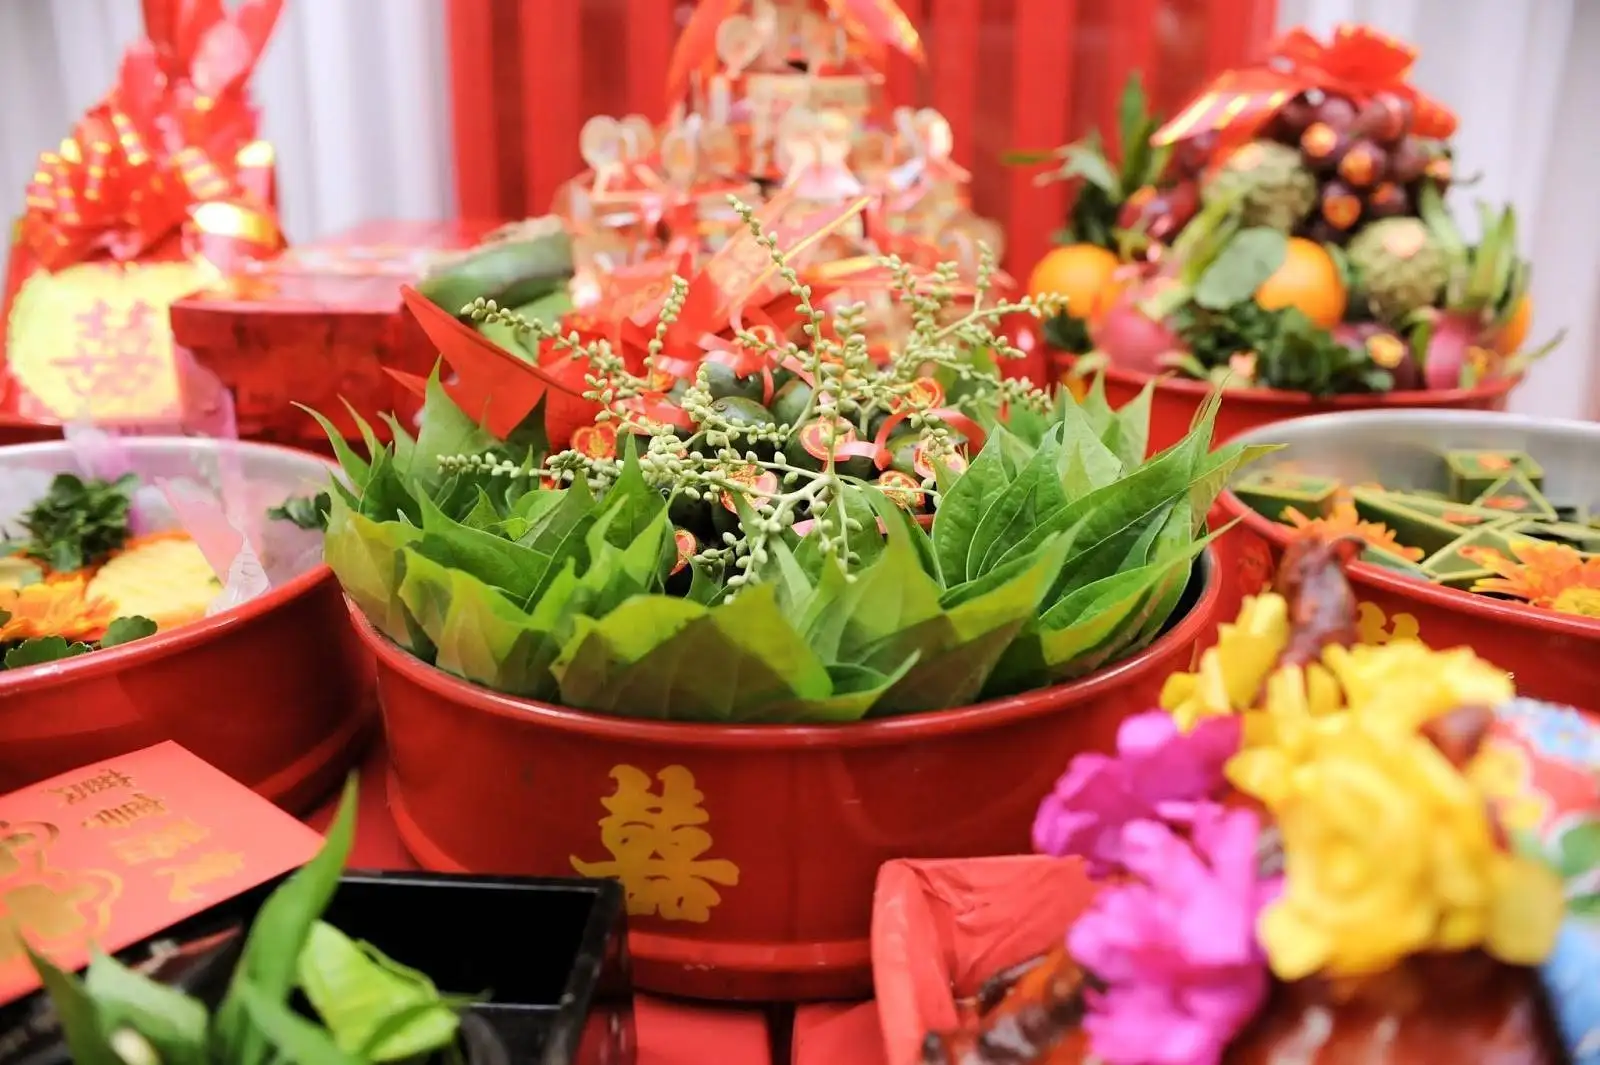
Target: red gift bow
<point>171,149</point>
<point>1359,62</point>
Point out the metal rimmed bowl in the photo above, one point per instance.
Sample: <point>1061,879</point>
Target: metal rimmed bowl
<point>1554,656</point>
<point>276,692</point>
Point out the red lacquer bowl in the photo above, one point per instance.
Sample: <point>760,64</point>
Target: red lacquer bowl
<point>277,693</point>
<point>1555,657</point>
<point>758,884</point>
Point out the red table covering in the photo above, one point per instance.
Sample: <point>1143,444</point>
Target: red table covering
<point>670,1033</point>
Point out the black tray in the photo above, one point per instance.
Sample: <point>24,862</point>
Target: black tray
<point>552,956</point>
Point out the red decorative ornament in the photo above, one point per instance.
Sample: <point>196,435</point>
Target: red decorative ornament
<point>1358,63</point>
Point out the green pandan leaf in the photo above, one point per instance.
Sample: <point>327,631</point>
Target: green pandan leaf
<point>963,507</point>
<point>651,658</point>
<point>363,554</point>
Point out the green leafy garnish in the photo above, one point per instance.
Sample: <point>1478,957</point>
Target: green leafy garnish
<point>78,522</point>
<point>305,512</point>
<point>41,649</point>
<point>366,1007</point>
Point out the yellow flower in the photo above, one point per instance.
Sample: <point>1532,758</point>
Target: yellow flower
<point>1231,672</point>
<point>1403,684</point>
<point>1388,851</point>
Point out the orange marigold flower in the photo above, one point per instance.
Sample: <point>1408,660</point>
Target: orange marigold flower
<point>60,606</point>
<point>1343,520</point>
<point>1545,574</point>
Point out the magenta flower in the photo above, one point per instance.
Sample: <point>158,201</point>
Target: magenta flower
<point>1175,945</point>
<point>1155,767</point>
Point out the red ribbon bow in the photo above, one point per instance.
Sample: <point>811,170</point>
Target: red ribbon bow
<point>1359,63</point>
<point>171,149</point>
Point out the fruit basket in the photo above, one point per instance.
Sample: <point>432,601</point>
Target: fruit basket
<point>1369,454</point>
<point>147,595</point>
<point>1313,851</point>
<point>715,640</point>
<point>1287,235</point>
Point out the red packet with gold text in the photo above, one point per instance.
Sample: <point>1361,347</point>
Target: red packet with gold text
<point>114,852</point>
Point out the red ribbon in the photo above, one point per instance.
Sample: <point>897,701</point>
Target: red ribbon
<point>171,149</point>
<point>1358,62</point>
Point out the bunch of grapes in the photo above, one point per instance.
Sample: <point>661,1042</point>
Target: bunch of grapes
<point>1367,162</point>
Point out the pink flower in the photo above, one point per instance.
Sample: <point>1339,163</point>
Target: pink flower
<point>1175,945</point>
<point>1155,766</point>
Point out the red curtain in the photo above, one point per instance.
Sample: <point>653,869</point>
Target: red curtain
<point>1008,74</point>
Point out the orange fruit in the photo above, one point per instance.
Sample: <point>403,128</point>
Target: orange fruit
<point>1082,273</point>
<point>1309,281</point>
<point>1508,339</point>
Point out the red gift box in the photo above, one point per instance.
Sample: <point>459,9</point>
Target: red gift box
<point>319,325</point>
<point>159,184</point>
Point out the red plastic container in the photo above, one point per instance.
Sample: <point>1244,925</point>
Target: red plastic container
<point>276,693</point>
<point>942,928</point>
<point>756,885</point>
<point>1555,657</point>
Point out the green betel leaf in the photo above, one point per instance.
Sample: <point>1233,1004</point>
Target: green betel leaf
<point>79,1016</point>
<point>632,504</point>
<point>1085,462</point>
<point>1243,264</point>
<point>364,555</point>
<point>266,971</point>
<point>855,690</point>
<point>1088,162</point>
<point>42,649</point>
<point>963,507</point>
<point>356,994</point>
<point>649,658</point>
<point>501,563</point>
<point>478,633</point>
<point>1128,435</point>
<point>1094,405</point>
<point>957,650</point>
<point>354,466</point>
<point>482,516</point>
<point>1036,492</point>
<point>846,619</point>
<point>173,1023</point>
<point>446,430</point>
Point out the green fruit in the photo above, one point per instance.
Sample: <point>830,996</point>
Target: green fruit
<point>1400,266</point>
<point>741,413</point>
<point>789,402</point>
<point>858,466</point>
<point>1271,183</point>
<point>722,381</point>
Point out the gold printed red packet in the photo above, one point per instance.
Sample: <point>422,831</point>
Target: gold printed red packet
<point>116,851</point>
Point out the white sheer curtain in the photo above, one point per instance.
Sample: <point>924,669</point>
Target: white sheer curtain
<point>354,93</point>
<point>356,97</point>
<point>1523,78</point>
